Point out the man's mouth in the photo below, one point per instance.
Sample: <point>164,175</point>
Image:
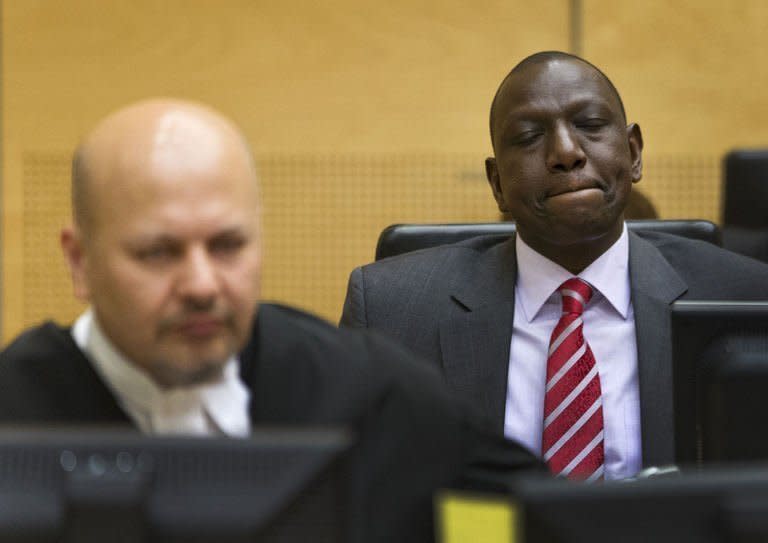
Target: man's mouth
<point>572,186</point>
<point>200,327</point>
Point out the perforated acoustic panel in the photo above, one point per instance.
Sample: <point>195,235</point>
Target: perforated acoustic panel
<point>323,214</point>
<point>47,288</point>
<point>684,186</point>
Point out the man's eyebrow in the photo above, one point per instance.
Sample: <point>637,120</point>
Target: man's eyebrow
<point>231,231</point>
<point>150,239</point>
<point>592,102</point>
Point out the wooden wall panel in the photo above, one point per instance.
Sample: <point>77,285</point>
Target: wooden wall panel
<point>693,74</point>
<point>362,114</point>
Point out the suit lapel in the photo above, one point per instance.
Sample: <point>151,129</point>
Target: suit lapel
<point>475,337</point>
<point>655,285</point>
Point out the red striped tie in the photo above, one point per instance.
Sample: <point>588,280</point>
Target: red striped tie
<point>572,442</point>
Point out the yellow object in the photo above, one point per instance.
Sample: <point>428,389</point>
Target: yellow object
<point>470,518</point>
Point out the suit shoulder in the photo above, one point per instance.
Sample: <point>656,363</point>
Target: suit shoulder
<point>433,267</point>
<point>272,312</point>
<point>698,254</point>
<point>303,329</point>
<point>344,370</point>
<point>44,377</point>
<point>35,345</point>
<point>287,333</point>
<point>712,272</point>
<point>293,331</point>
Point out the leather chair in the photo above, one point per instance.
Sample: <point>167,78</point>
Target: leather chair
<point>745,189</point>
<point>745,202</point>
<point>403,238</point>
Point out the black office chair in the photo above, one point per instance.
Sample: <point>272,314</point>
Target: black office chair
<point>403,238</point>
<point>745,189</point>
<point>745,202</point>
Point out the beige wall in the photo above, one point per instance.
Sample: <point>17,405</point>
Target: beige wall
<point>693,74</point>
<point>362,113</point>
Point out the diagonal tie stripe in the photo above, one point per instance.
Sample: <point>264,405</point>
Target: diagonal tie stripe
<point>572,441</point>
<point>584,453</point>
<point>573,429</point>
<point>576,443</point>
<point>596,475</point>
<point>567,366</point>
<point>570,380</point>
<point>572,395</point>
<point>577,322</point>
<point>574,294</point>
<point>591,462</point>
<point>560,425</point>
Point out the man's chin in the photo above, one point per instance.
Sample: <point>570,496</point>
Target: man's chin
<point>188,375</point>
<point>584,227</point>
<point>191,365</point>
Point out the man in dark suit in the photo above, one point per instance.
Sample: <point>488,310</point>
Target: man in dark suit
<point>166,249</point>
<point>487,311</point>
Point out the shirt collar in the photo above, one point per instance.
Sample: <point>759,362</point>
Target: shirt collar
<point>224,400</point>
<point>538,277</point>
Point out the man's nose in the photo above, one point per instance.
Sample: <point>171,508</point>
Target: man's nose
<point>199,281</point>
<point>564,152</point>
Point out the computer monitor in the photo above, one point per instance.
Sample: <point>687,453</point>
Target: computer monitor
<point>720,372</point>
<point>277,486</point>
<point>708,506</point>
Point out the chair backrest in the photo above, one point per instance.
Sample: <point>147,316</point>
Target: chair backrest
<point>403,238</point>
<point>745,188</point>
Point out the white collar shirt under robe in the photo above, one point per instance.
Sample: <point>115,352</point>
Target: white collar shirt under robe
<point>219,407</point>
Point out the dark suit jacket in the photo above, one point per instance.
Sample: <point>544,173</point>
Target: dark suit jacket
<point>454,306</point>
<point>412,438</point>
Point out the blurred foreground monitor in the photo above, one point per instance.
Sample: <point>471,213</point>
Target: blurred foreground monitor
<point>716,506</point>
<point>729,506</point>
<point>75,486</point>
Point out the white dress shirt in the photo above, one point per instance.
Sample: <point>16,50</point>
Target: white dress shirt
<point>609,328</point>
<point>219,407</point>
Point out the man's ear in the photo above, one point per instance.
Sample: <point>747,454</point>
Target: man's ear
<point>492,173</point>
<point>635,138</point>
<point>74,253</point>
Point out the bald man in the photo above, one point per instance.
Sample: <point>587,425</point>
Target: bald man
<point>166,249</point>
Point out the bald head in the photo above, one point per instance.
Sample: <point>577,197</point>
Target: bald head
<point>544,57</point>
<point>145,141</point>
<point>166,245</point>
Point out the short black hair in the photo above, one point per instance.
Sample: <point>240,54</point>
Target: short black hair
<point>546,56</point>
